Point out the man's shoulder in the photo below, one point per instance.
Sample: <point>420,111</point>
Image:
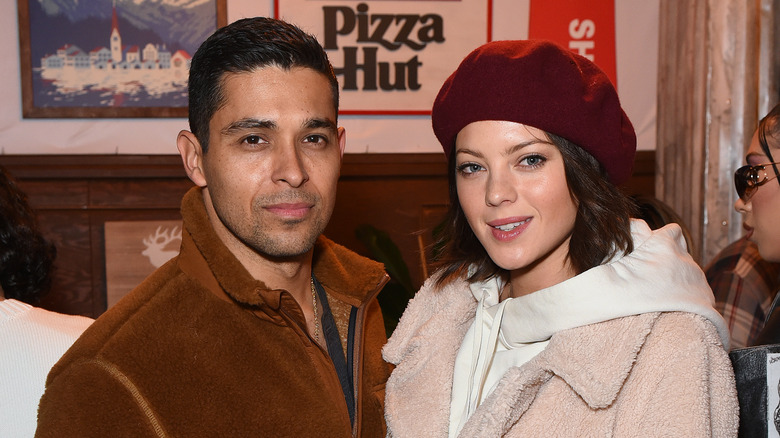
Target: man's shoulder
<point>342,254</point>
<point>345,271</point>
<point>148,307</point>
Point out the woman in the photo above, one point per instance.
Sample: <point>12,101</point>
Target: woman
<point>761,208</point>
<point>32,339</point>
<point>554,313</point>
<point>759,203</point>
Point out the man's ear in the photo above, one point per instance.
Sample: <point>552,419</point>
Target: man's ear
<point>342,133</point>
<point>192,157</point>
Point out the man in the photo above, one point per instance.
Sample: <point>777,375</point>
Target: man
<point>260,326</point>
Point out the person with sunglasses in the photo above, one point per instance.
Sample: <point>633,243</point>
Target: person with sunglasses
<point>761,208</point>
<point>758,187</point>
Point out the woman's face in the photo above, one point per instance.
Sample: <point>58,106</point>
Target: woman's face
<point>762,211</point>
<point>513,191</point>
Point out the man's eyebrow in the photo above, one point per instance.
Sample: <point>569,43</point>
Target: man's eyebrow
<point>247,124</point>
<point>320,123</point>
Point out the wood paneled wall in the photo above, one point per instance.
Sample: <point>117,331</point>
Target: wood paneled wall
<point>402,194</point>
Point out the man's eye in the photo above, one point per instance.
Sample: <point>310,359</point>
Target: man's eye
<point>253,139</point>
<point>315,138</point>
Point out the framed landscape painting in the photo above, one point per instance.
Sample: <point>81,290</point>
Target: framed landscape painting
<point>110,58</point>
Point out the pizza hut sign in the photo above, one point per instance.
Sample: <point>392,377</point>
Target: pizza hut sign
<point>391,57</point>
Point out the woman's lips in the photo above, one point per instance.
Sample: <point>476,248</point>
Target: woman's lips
<point>507,229</point>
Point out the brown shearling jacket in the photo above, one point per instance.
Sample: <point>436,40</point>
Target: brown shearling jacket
<point>200,348</point>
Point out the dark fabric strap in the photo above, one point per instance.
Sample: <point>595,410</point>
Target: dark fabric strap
<point>335,350</point>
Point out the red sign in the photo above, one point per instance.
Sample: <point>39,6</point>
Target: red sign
<point>587,27</point>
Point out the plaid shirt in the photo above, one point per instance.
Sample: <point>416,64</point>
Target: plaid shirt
<point>745,286</point>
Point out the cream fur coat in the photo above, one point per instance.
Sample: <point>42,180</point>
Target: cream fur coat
<point>663,374</point>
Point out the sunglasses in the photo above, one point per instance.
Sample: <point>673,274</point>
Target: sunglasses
<point>748,178</point>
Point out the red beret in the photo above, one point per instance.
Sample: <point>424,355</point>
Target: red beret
<point>540,84</point>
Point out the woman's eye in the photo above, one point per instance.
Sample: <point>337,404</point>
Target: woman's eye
<point>469,168</point>
<point>533,160</point>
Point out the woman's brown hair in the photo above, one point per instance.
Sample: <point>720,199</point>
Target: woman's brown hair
<point>601,230</point>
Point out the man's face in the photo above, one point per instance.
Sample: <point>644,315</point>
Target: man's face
<point>273,161</point>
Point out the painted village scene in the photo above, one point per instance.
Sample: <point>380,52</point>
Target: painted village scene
<point>114,53</point>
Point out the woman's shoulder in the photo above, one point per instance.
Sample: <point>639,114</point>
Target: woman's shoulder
<point>685,347</point>
<point>434,309</point>
<point>689,326</point>
<point>682,376</point>
<point>685,339</point>
<point>434,296</point>
<point>654,336</point>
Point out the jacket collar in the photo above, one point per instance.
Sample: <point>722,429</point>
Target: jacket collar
<point>431,331</point>
<point>350,277</point>
<point>577,356</point>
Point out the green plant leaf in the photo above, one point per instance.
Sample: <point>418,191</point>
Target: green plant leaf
<point>395,295</point>
<point>385,251</point>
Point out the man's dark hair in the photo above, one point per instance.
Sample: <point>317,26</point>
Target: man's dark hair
<point>26,257</point>
<point>602,227</point>
<point>244,46</point>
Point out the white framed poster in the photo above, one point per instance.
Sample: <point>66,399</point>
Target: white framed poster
<point>391,57</point>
